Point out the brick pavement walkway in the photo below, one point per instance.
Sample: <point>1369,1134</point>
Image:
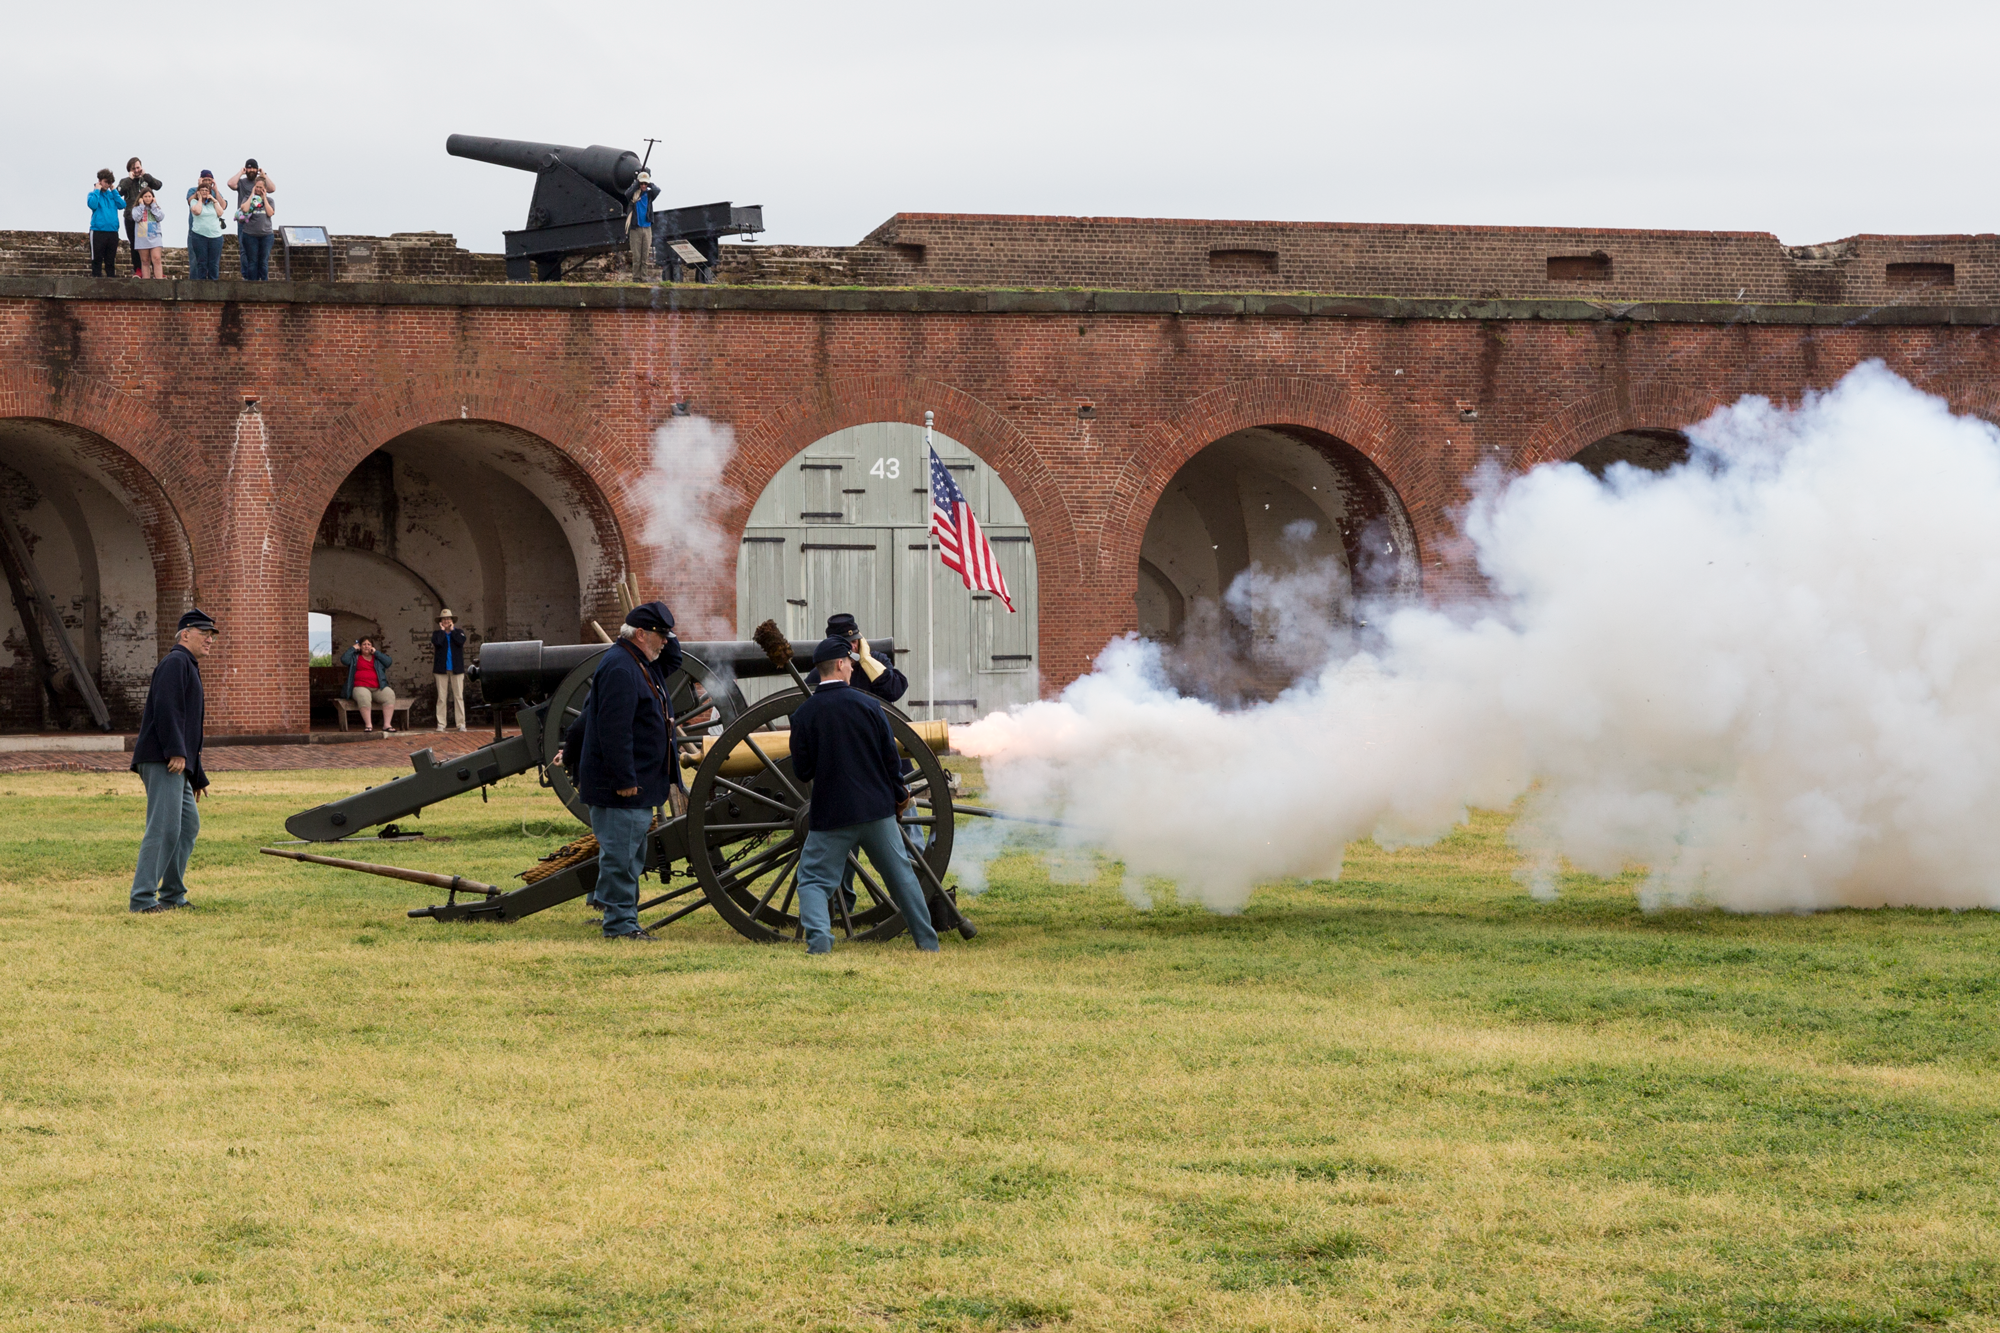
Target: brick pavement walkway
<point>387,752</point>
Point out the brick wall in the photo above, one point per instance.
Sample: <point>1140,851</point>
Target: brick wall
<point>156,376</point>
<point>1152,254</point>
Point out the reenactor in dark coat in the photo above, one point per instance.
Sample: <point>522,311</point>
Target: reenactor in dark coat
<point>627,754</point>
<point>841,743</point>
<point>167,757</point>
<point>880,679</point>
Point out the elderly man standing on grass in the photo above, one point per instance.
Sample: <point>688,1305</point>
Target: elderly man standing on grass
<point>841,743</point>
<point>627,744</point>
<point>167,758</point>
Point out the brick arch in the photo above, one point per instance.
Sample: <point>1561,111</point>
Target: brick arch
<point>603,471</point>
<point>1966,394</point>
<point>159,472</point>
<point>767,443</point>
<point>1576,426</point>
<point>1274,401</point>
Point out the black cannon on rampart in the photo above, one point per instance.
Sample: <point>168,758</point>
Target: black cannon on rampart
<point>582,204</point>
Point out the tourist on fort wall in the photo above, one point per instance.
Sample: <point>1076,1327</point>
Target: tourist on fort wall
<point>136,183</point>
<point>149,236</point>
<point>254,210</point>
<point>205,223</point>
<point>107,206</point>
<point>448,666</point>
<point>368,683</point>
<point>166,755</point>
<point>641,228</point>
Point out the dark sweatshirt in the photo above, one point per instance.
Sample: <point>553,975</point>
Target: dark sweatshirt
<point>841,743</point>
<point>171,724</point>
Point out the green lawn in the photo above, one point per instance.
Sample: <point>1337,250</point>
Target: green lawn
<point>1411,1099</point>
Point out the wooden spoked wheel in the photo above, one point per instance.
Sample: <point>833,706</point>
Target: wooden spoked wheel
<point>746,832</point>
<point>705,701</point>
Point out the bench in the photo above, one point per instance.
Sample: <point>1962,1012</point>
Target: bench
<point>399,717</point>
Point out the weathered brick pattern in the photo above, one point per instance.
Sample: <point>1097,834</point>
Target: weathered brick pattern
<point>240,491</point>
<point>960,250</point>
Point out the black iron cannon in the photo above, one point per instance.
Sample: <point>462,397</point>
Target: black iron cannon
<point>582,205</point>
<point>550,683</point>
<point>737,846</point>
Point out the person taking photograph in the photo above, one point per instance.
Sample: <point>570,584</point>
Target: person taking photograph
<point>137,181</point>
<point>149,234</point>
<point>107,206</point>
<point>368,683</point>
<point>205,224</point>
<point>254,210</point>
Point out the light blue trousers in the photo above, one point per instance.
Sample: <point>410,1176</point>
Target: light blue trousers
<point>621,856</point>
<point>820,865</point>
<point>173,822</point>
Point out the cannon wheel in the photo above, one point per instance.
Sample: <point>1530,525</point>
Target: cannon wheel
<point>745,834</point>
<point>704,701</point>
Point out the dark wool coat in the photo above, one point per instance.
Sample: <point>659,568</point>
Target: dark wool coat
<point>841,743</point>
<point>455,643</point>
<point>627,735</point>
<point>171,724</point>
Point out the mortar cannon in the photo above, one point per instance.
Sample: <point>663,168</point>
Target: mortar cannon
<point>581,203</point>
<point>550,682</point>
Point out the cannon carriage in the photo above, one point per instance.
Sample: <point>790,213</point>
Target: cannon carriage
<point>736,846</point>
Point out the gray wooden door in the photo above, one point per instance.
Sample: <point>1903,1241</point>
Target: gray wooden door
<point>844,527</point>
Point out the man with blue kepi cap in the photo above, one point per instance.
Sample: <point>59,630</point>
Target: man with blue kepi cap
<point>627,748</point>
<point>167,757</point>
<point>841,743</point>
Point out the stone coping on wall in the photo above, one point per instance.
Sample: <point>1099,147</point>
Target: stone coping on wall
<point>982,301</point>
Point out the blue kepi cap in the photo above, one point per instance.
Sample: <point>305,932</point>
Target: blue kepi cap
<point>195,620</point>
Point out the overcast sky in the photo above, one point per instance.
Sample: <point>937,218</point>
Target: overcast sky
<point>1813,121</point>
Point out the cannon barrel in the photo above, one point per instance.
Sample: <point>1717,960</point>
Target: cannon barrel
<point>612,169</point>
<point>530,669</point>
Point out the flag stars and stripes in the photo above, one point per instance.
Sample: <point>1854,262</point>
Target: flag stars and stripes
<point>961,543</point>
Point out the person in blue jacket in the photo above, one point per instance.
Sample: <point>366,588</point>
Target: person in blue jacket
<point>167,758</point>
<point>107,211</point>
<point>627,752</point>
<point>448,666</point>
<point>841,743</point>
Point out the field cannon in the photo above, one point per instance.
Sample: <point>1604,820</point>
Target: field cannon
<point>737,846</point>
<point>550,683</point>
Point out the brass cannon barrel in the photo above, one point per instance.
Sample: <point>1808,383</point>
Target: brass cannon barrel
<point>777,745</point>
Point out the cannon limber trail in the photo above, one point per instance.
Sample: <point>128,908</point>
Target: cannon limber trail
<point>736,847</point>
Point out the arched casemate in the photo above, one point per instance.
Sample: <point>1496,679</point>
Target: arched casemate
<point>487,520</point>
<point>1275,497</point>
<point>98,536</point>
<point>844,526</point>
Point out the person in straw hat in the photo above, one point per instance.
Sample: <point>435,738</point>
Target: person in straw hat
<point>448,666</point>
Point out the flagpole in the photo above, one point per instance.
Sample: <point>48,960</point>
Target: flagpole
<point>930,581</point>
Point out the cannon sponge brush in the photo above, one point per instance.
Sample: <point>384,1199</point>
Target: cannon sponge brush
<point>774,643</point>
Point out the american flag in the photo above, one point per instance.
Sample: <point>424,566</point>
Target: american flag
<point>963,546</point>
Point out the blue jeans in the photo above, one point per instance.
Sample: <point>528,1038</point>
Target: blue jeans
<point>204,257</point>
<point>621,855</point>
<point>820,865</point>
<point>173,822</point>
<point>255,254</point>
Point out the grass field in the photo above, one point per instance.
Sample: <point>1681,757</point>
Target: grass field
<point>1411,1099</point>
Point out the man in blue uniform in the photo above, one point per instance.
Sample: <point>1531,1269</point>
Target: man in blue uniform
<point>880,679</point>
<point>167,757</point>
<point>627,748</point>
<point>841,743</point>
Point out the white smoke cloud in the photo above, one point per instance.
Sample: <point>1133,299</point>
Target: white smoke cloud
<point>683,494</point>
<point>1772,676</point>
